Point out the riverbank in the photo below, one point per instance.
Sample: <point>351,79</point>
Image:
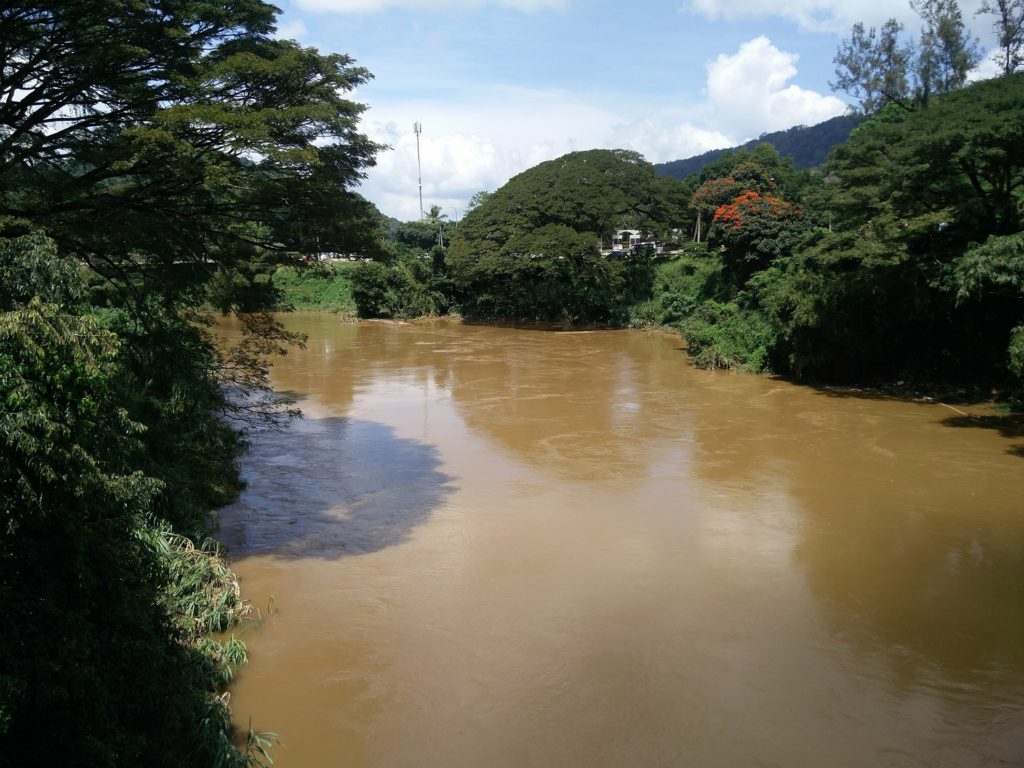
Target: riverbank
<point>727,338</point>
<point>324,287</point>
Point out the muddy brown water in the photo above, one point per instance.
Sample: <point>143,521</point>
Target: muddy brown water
<point>495,547</point>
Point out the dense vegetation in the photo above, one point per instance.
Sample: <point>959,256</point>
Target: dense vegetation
<point>901,259</point>
<point>156,159</point>
<point>159,160</point>
<point>319,286</point>
<point>531,250</point>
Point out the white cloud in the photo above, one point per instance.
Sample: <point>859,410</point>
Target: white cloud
<point>825,15</point>
<point>472,143</point>
<point>817,15</point>
<point>987,68</point>
<point>667,136</point>
<point>292,29</point>
<point>747,92</point>
<point>371,6</point>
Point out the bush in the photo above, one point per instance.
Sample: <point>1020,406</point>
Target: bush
<point>326,287</point>
<point>646,314</point>
<point>407,288</point>
<point>726,336</point>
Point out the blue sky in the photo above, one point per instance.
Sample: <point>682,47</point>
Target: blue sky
<point>500,85</point>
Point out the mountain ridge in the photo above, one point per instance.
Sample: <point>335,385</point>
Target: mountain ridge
<point>807,145</point>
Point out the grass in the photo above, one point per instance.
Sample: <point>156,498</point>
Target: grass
<point>324,287</point>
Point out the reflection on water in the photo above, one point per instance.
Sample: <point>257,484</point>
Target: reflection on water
<point>574,549</point>
<point>332,487</point>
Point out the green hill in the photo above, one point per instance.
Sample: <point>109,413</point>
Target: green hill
<point>807,145</point>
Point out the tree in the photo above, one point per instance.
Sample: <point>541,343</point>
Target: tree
<point>435,215</point>
<point>1009,29</point>
<point>877,68</point>
<point>87,560</point>
<point>436,218</point>
<point>754,229</point>
<point>574,201</point>
<point>478,199</point>
<point>173,133</point>
<point>709,197</point>
<point>946,53</point>
<point>873,66</point>
<point>168,146</point>
<point>921,272</point>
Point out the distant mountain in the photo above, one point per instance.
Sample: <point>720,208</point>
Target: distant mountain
<point>808,146</point>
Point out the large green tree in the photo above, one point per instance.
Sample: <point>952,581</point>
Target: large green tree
<point>530,250</point>
<point>144,135</point>
<point>168,148</point>
<point>919,273</point>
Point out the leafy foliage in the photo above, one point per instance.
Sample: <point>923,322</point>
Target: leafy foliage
<point>89,570</point>
<point>530,250</point>
<point>406,288</point>
<point>325,287</point>
<point>754,229</point>
<point>722,335</point>
<point>878,68</point>
<point>902,259</point>
<point>179,152</point>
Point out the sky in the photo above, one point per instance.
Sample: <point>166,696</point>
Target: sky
<point>501,85</point>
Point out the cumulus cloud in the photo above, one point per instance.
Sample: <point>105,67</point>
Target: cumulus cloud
<point>471,145</point>
<point>370,6</point>
<point>822,15</point>
<point>292,29</point>
<point>477,142</point>
<point>747,92</point>
<point>668,135</point>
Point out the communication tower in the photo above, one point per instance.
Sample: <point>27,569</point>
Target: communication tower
<point>418,129</point>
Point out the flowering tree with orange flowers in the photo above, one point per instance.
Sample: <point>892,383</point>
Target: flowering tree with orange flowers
<point>753,229</point>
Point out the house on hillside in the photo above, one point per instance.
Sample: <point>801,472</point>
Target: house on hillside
<point>629,240</point>
<point>626,239</point>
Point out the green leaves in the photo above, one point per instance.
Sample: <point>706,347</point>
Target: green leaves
<point>530,249</point>
<point>995,266</point>
<point>194,136</point>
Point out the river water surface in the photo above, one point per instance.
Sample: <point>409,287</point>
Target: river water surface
<point>495,547</point>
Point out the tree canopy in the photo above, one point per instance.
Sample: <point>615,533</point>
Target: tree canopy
<point>176,132</point>
<point>153,157</point>
<point>530,249</point>
<point>916,274</point>
<point>878,67</point>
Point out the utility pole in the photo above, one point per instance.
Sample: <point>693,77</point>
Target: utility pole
<point>418,129</point>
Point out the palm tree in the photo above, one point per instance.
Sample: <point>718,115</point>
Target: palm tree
<point>435,217</point>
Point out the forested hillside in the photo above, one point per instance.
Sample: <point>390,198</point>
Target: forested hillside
<point>808,146</point>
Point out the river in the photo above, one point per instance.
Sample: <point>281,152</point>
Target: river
<point>495,547</point>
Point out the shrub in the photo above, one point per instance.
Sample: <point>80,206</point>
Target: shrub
<point>726,336</point>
